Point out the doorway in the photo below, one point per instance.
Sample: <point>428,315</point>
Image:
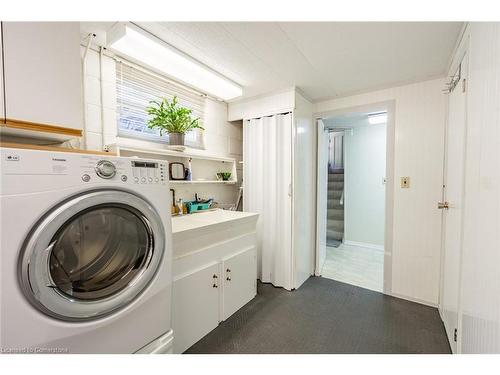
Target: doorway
<point>353,169</point>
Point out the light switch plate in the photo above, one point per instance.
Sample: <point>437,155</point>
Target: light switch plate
<point>405,182</point>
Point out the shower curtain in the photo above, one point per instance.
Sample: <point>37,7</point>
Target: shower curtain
<point>267,178</point>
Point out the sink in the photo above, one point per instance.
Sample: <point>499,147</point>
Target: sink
<point>206,218</point>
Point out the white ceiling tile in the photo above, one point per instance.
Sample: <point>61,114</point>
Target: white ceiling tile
<point>212,45</point>
<point>358,56</point>
<point>323,59</point>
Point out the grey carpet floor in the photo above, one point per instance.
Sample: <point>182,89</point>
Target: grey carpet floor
<point>326,316</point>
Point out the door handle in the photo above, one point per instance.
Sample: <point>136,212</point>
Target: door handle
<point>443,205</point>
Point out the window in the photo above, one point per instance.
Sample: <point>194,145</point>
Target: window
<point>136,88</point>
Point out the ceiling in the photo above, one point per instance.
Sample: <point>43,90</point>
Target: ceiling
<point>348,120</point>
<point>322,59</point>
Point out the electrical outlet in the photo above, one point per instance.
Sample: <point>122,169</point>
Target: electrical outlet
<point>405,182</point>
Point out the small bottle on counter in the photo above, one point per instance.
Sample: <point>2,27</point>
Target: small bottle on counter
<point>180,206</point>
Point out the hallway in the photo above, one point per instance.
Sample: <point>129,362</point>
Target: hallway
<point>355,265</point>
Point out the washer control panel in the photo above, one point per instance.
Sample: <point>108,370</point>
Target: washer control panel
<point>147,172</point>
<point>124,170</point>
<point>42,170</point>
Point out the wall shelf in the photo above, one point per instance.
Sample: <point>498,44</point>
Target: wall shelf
<point>174,182</point>
<point>204,166</point>
<point>188,154</point>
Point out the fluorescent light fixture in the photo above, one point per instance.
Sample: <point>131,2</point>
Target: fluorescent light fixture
<point>137,44</point>
<point>377,118</point>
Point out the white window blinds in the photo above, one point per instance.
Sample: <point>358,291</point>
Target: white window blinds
<point>136,88</point>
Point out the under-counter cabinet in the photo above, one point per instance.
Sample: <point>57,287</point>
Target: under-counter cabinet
<point>196,305</point>
<point>239,278</point>
<point>42,89</point>
<point>215,271</point>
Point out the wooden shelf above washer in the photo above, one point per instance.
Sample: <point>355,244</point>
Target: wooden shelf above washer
<point>19,128</point>
<point>53,148</point>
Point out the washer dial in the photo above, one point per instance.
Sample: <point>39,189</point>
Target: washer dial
<point>105,169</point>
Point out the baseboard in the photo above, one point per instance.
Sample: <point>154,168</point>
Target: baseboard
<point>416,300</point>
<point>365,244</point>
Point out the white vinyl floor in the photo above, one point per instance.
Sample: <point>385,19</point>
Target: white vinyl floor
<point>355,265</point>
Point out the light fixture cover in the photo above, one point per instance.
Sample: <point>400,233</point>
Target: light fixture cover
<point>377,118</point>
<point>132,42</point>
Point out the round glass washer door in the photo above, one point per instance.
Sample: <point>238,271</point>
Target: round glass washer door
<point>92,255</point>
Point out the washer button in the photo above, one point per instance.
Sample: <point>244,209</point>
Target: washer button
<point>136,179</point>
<point>143,179</point>
<point>124,178</point>
<point>86,178</point>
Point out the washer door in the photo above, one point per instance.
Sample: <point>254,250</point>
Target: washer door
<point>92,255</point>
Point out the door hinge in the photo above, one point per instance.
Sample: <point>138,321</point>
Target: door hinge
<point>464,85</point>
<point>455,335</point>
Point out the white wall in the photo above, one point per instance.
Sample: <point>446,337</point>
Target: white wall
<point>95,126</point>
<point>364,196</point>
<point>420,111</point>
<point>480,300</point>
<point>221,137</point>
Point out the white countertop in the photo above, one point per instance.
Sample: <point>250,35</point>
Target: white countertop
<point>189,222</point>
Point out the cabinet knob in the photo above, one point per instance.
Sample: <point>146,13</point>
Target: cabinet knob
<point>228,270</point>
<point>215,285</point>
<point>228,278</point>
<point>214,276</point>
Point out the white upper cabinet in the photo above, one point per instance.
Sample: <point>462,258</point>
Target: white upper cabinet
<point>42,74</point>
<point>2,109</point>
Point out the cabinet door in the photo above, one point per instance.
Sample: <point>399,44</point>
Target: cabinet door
<point>240,280</point>
<point>43,73</point>
<point>195,306</point>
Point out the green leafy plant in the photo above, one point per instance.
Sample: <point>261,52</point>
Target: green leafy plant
<point>224,176</point>
<point>168,116</point>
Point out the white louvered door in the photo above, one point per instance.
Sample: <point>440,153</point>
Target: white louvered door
<point>267,179</point>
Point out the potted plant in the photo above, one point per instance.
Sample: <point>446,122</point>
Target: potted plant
<point>168,116</point>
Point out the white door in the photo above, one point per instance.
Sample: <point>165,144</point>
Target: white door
<point>195,306</point>
<point>453,196</point>
<point>322,197</point>
<point>239,280</point>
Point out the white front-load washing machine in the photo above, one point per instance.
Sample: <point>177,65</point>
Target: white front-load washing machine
<point>85,255</point>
